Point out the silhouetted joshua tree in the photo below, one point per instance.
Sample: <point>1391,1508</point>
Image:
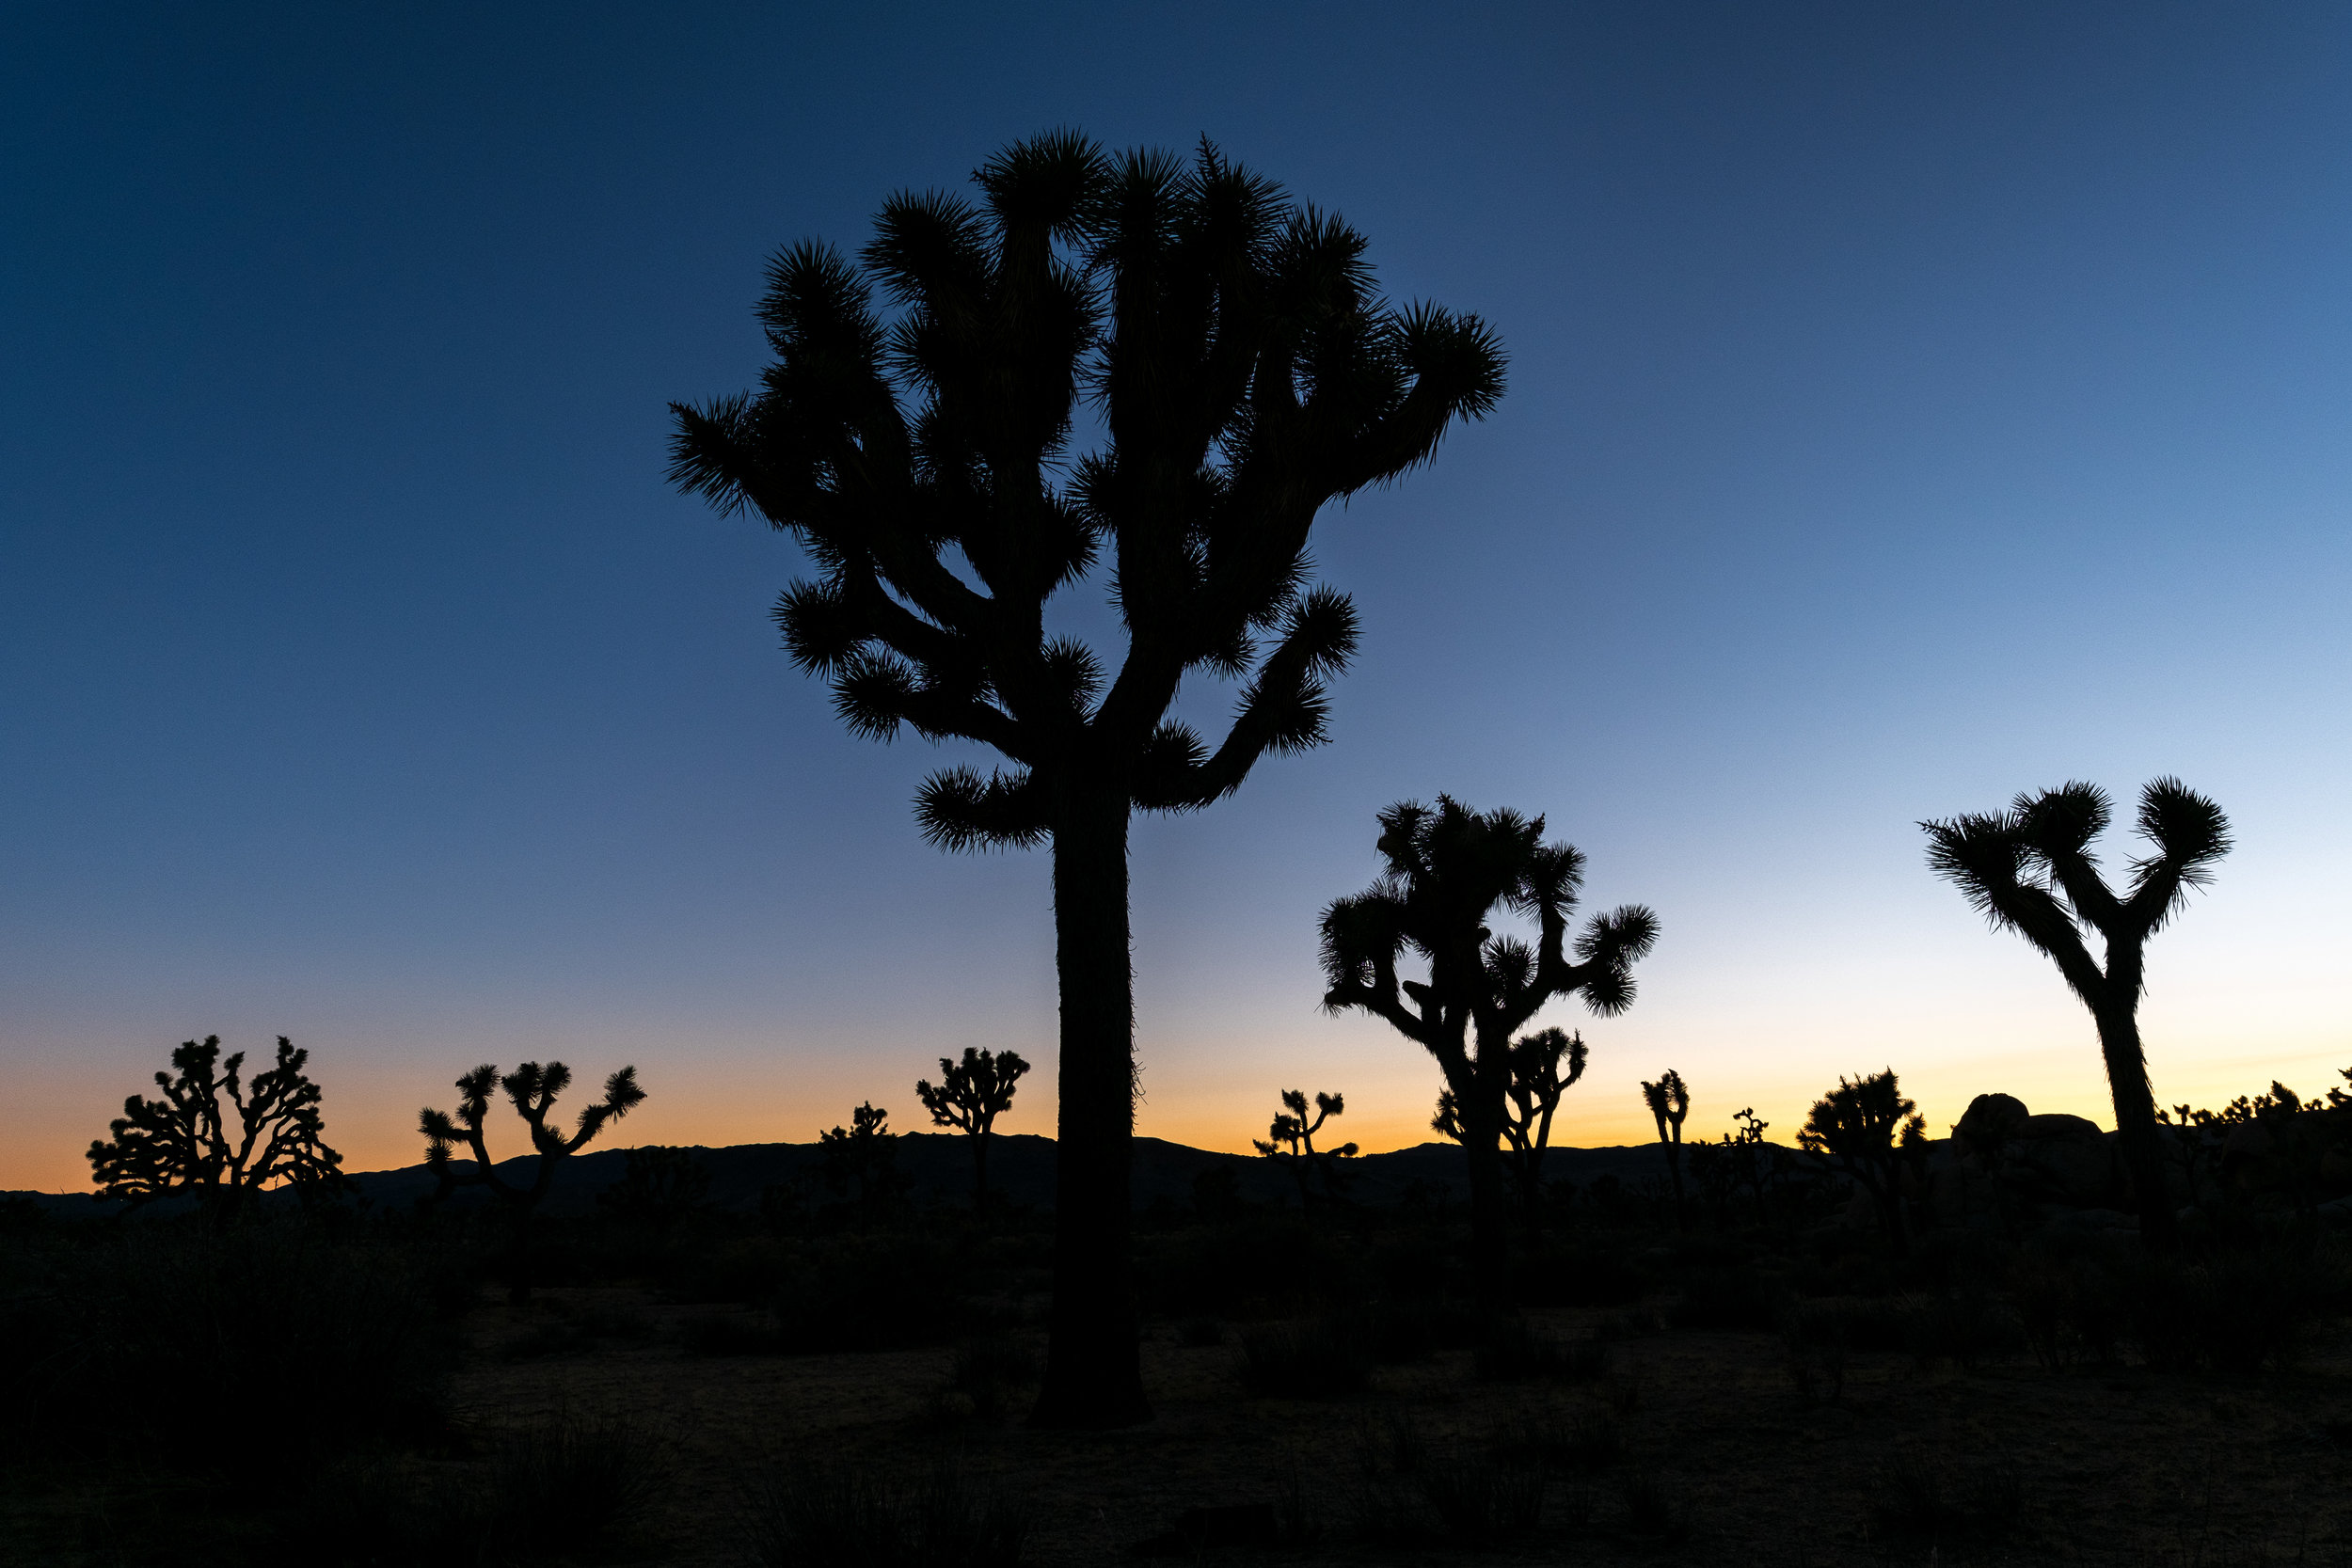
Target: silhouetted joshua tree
<point>2031,869</point>
<point>1529,1104</point>
<point>533,1090</point>
<point>864,1154</point>
<point>186,1142</point>
<point>971,1095</point>
<point>1244,371</point>
<point>1291,1143</point>
<point>659,1187</point>
<point>1669,1102</point>
<point>1446,870</point>
<point>1858,1124</point>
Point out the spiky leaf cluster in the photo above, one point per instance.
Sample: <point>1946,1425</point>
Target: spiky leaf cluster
<point>1447,869</point>
<point>918,434</point>
<point>973,1093</point>
<point>533,1090</point>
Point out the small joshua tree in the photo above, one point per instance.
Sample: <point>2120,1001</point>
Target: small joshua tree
<point>1669,1102</point>
<point>659,1188</point>
<point>1291,1142</point>
<point>1446,870</point>
<point>864,1155</point>
<point>2030,868</point>
<point>184,1142</point>
<point>971,1095</point>
<point>1857,1124</point>
<point>533,1090</point>
<point>1529,1104</point>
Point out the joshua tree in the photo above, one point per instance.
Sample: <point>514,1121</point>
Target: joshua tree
<point>1244,371</point>
<point>2031,869</point>
<point>1669,1102</point>
<point>972,1094</point>
<point>658,1188</point>
<point>1446,870</point>
<point>865,1153</point>
<point>1529,1104</point>
<point>533,1090</point>
<point>185,1142</point>
<point>1857,1124</point>
<point>1291,1142</point>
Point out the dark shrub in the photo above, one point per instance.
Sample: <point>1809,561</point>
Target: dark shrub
<point>987,1377</point>
<point>1582,1278</point>
<point>546,1339</point>
<point>1319,1359</point>
<point>1591,1441</point>
<point>1482,1502</point>
<point>1730,1299</point>
<point>1931,1494</point>
<point>729,1333</point>
<point>567,1484</point>
<point>1511,1349</point>
<point>124,1333</point>
<point>804,1517</point>
<point>1654,1508</point>
<point>873,1294</point>
<point>2238,1308</point>
<point>1200,1333</point>
<point>1397,1331</point>
<point>1962,1326</point>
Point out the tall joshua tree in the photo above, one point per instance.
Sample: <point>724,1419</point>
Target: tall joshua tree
<point>1447,869</point>
<point>1669,1102</point>
<point>216,1135</point>
<point>1244,371</point>
<point>971,1095</point>
<point>2031,869</point>
<point>533,1090</point>
<point>1529,1104</point>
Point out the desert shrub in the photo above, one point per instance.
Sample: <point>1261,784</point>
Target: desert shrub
<point>1200,1333</point>
<point>750,1269</point>
<point>1483,1503</point>
<point>119,1335</point>
<point>1588,1278</point>
<point>986,1378</point>
<point>1919,1493</point>
<point>1321,1358</point>
<point>1654,1507</point>
<point>1814,1342</point>
<point>1511,1349</point>
<point>1261,1257</point>
<point>2235,1310</point>
<point>729,1333</point>
<point>802,1516</point>
<point>569,1483</point>
<point>874,1293</point>
<point>543,1340</point>
<point>1588,1441</point>
<point>1960,1325</point>
<point>1397,1331</point>
<point>1730,1299</point>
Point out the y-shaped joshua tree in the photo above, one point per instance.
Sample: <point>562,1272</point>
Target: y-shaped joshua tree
<point>1446,870</point>
<point>183,1143</point>
<point>1669,1102</point>
<point>1291,1142</point>
<point>972,1094</point>
<point>2030,868</point>
<point>533,1090</point>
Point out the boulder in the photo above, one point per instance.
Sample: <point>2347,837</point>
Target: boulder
<point>1990,1122</point>
<point>2062,1158</point>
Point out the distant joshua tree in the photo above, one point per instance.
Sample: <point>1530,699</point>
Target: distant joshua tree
<point>1669,1102</point>
<point>217,1136</point>
<point>1865,1125</point>
<point>971,1095</point>
<point>533,1090</point>
<point>1446,870</point>
<point>1529,1104</point>
<point>1291,1143</point>
<point>659,1188</point>
<point>2031,869</point>
<point>864,1154</point>
<point>1244,371</point>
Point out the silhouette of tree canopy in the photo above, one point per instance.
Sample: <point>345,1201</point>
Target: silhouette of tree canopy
<point>1529,1101</point>
<point>215,1136</point>
<point>971,1095</point>
<point>659,1187</point>
<point>864,1156</point>
<point>1245,371</point>
<point>1290,1143</point>
<point>533,1090</point>
<point>1669,1102</point>
<point>2031,869</point>
<point>1857,1124</point>
<point>1447,869</point>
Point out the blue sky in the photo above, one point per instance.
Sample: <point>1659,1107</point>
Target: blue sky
<point>1909,405</point>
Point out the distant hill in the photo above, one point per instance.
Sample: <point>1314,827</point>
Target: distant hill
<point>1021,1166</point>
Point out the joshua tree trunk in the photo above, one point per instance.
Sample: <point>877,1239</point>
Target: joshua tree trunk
<point>1093,1372</point>
<point>2135,1123</point>
<point>1490,1193</point>
<point>979,1173</point>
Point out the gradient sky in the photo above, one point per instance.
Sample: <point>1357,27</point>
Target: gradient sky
<point>1910,405</point>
